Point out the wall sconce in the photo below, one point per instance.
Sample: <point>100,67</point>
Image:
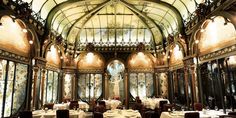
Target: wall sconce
<point>202,30</point>
<point>163,53</point>
<point>196,41</point>
<point>24,30</point>
<point>31,42</point>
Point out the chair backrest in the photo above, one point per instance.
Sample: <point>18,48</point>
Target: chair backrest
<point>167,106</point>
<point>161,104</point>
<point>48,105</point>
<point>232,113</point>
<point>25,114</point>
<point>138,106</point>
<point>150,114</point>
<point>74,104</point>
<point>62,113</point>
<point>97,115</point>
<point>198,106</point>
<point>103,103</point>
<point>100,109</point>
<point>191,115</point>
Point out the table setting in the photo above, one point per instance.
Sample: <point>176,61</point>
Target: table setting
<point>52,114</point>
<point>118,113</point>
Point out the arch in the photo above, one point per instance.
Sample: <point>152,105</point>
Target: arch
<point>141,60</point>
<point>26,33</point>
<point>90,61</point>
<point>209,24</point>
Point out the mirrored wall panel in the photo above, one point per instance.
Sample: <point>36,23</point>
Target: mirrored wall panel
<point>51,87</point>
<point>67,82</point>
<point>141,84</point>
<point>13,80</point>
<point>90,86</point>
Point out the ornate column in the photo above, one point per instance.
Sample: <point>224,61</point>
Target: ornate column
<point>186,84</point>
<point>34,82</point>
<point>157,81</point>
<point>42,85</point>
<point>126,90</point>
<point>194,84</point>
<point>106,86</point>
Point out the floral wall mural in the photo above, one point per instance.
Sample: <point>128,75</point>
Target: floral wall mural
<point>89,86</point>
<point>163,84</point>
<point>15,86</point>
<point>141,84</point>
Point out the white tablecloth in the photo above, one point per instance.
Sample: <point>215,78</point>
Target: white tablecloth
<point>117,113</point>
<point>52,114</point>
<point>153,103</point>
<point>61,106</point>
<point>112,104</point>
<point>203,114</point>
<point>83,105</point>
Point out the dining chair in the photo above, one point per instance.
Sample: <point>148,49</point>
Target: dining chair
<point>25,114</point>
<point>62,113</point>
<point>227,116</point>
<point>198,106</point>
<point>48,105</point>
<point>97,115</point>
<point>74,104</point>
<point>161,104</point>
<point>103,103</point>
<point>150,114</point>
<point>166,107</point>
<point>232,113</point>
<point>191,115</point>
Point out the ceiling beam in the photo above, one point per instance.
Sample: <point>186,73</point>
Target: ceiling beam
<point>146,20</point>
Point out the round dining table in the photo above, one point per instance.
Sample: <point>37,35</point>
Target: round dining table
<point>52,114</point>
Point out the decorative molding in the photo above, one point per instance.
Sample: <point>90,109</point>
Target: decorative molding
<point>188,61</point>
<point>228,51</point>
<point>40,62</point>
<point>14,57</point>
<point>160,69</point>
<point>175,67</point>
<point>146,70</point>
<point>52,67</point>
<point>90,71</point>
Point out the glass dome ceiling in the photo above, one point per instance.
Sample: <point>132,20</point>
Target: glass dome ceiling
<point>109,23</point>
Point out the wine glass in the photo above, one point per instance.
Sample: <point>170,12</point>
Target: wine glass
<point>182,108</point>
<point>45,109</point>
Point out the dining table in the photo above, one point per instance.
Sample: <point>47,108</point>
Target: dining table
<point>112,104</point>
<point>153,103</point>
<point>118,113</point>
<point>202,114</point>
<point>52,114</point>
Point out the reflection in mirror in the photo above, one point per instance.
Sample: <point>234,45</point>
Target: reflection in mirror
<point>141,84</point>
<point>89,86</point>
<point>116,69</point>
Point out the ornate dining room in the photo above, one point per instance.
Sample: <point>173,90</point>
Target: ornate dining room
<point>117,59</point>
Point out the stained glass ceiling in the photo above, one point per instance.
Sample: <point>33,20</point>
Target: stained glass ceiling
<point>114,22</point>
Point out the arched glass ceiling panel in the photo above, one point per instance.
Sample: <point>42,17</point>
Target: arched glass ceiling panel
<point>185,7</point>
<point>46,8</point>
<point>162,15</point>
<point>118,25</point>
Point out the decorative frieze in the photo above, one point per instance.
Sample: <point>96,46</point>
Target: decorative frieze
<point>11,56</point>
<point>146,70</point>
<point>90,71</point>
<point>219,54</point>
